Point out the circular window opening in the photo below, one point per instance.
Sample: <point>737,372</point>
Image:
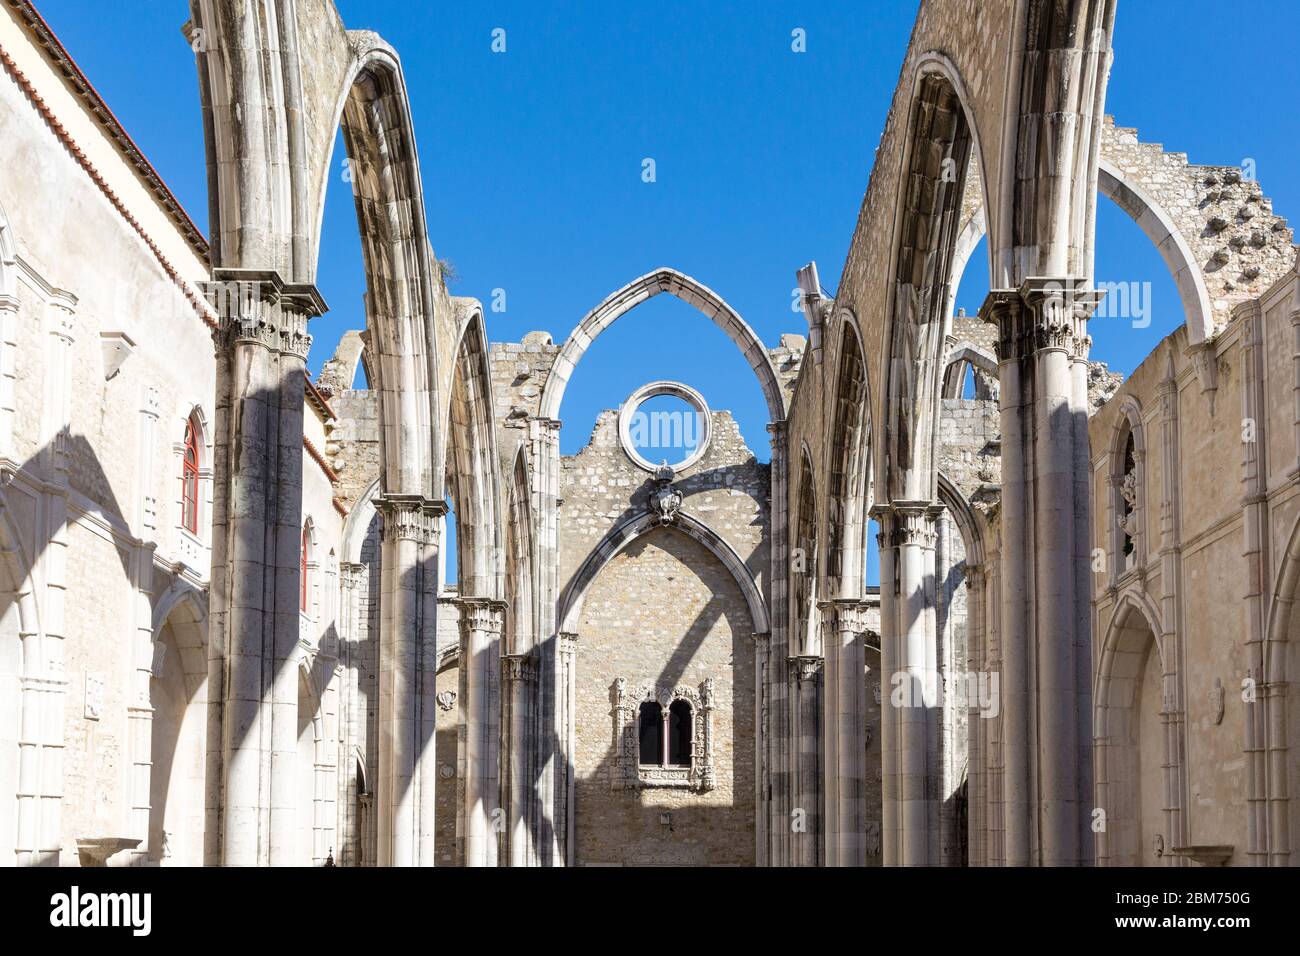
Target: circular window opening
<point>664,422</point>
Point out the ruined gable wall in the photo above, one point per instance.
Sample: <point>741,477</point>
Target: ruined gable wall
<point>665,610</point>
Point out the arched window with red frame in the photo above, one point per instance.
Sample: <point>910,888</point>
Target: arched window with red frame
<point>190,479</point>
<point>302,569</point>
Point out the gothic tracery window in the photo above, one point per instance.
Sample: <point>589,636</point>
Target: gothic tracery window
<point>663,736</point>
<point>1128,503</point>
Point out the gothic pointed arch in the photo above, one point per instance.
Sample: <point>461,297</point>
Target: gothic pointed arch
<point>521,609</point>
<point>694,293</point>
<point>621,536</point>
<point>1129,762</point>
<point>941,148</point>
<point>470,465</point>
<point>848,467</point>
<point>804,566</point>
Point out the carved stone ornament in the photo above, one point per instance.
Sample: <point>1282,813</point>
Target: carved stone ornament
<point>1128,491</point>
<point>446,700</point>
<point>665,500</point>
<point>1217,697</point>
<point>629,772</point>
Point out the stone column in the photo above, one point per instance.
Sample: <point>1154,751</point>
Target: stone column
<point>849,636</point>
<point>1042,348</point>
<point>261,344</point>
<point>909,674</point>
<point>481,624</point>
<point>519,680</point>
<point>976,754</point>
<point>829,738</point>
<point>407,665</point>
<point>1170,586</point>
<point>548,757</point>
<point>567,684</point>
<point>762,766</point>
<point>805,823</point>
<point>776,742</point>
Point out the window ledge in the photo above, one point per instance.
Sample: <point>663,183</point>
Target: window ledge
<point>679,778</point>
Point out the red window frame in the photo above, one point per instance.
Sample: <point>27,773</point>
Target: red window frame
<point>190,480</point>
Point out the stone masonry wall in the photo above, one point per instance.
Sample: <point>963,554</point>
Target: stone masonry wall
<point>665,610</point>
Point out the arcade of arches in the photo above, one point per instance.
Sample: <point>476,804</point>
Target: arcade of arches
<point>227,636</point>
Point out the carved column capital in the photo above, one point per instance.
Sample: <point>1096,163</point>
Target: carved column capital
<point>907,524</point>
<point>518,668</point>
<point>410,518</point>
<point>1044,313</point>
<point>806,667</point>
<point>258,307</point>
<point>851,616</point>
<point>568,643</point>
<point>482,614</point>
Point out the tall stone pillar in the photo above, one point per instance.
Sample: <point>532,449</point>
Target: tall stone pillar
<point>909,672</point>
<point>407,669</point>
<point>846,715</point>
<point>1047,687</point>
<point>518,730</point>
<point>481,623</point>
<point>549,757</point>
<point>776,741</point>
<point>261,345</point>
<point>806,812</point>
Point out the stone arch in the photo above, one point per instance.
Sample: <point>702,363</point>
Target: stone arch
<point>941,147</point>
<point>1158,226</point>
<point>339,373</point>
<point>471,470</point>
<point>1280,721</point>
<point>1188,247</point>
<point>1125,655</point>
<point>848,467</point>
<point>970,523</point>
<point>272,110</point>
<point>177,760</point>
<point>521,609</point>
<point>624,534</point>
<point>357,524</point>
<point>1051,140</point>
<point>619,303</point>
<point>805,619</point>
<point>960,355</point>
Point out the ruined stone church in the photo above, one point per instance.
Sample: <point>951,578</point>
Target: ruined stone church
<point>226,631</point>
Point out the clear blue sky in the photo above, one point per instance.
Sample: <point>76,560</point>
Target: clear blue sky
<point>532,159</point>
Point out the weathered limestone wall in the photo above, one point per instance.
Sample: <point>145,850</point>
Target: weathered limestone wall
<point>666,611</point>
<point>1215,508</point>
